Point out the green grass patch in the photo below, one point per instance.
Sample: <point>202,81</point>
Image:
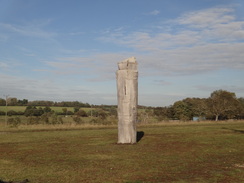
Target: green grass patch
<point>14,108</point>
<point>56,109</point>
<point>210,152</point>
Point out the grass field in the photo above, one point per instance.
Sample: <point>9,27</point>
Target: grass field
<point>22,108</point>
<point>14,108</point>
<point>177,152</point>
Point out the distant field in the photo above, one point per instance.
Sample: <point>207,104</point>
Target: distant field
<point>22,108</point>
<point>14,108</point>
<point>171,153</point>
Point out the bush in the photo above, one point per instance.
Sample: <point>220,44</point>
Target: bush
<point>60,120</point>
<point>54,119</point>
<point>2,113</point>
<point>47,109</point>
<point>77,120</point>
<point>69,113</point>
<point>113,111</point>
<point>33,111</point>
<point>15,113</point>
<point>113,120</point>
<point>76,109</point>
<point>14,122</point>
<point>102,114</point>
<point>32,120</point>
<point>11,113</point>
<point>94,122</point>
<point>45,118</point>
<point>99,121</point>
<point>93,113</point>
<point>81,113</point>
<point>20,113</point>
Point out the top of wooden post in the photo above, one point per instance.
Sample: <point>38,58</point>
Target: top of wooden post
<point>128,64</point>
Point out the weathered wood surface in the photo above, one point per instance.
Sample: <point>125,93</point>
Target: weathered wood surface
<point>127,91</point>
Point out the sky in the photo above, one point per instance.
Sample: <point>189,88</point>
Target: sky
<point>68,50</point>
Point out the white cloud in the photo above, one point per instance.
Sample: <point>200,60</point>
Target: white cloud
<point>97,68</point>
<point>46,89</point>
<point>198,42</point>
<point>3,65</point>
<point>218,24</point>
<point>162,82</point>
<point>3,37</point>
<point>32,30</point>
<point>207,18</point>
<point>9,64</point>
<point>76,33</point>
<point>154,12</point>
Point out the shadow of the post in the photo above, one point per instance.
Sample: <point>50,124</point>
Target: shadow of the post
<point>139,136</point>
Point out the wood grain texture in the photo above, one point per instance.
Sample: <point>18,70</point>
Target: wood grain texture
<point>127,91</point>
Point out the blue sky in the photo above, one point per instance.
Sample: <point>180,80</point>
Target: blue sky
<point>68,50</point>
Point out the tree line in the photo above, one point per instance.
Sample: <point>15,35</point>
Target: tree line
<point>17,102</point>
<point>220,105</point>
<point>45,115</point>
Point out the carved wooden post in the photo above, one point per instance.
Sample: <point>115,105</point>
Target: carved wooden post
<point>127,90</point>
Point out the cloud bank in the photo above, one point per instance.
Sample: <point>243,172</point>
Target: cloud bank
<point>196,42</point>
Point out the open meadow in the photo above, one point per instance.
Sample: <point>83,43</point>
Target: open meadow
<point>54,108</point>
<point>168,152</point>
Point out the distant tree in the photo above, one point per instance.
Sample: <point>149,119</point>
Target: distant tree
<point>12,101</point>
<point>241,108</point>
<point>164,113</point>
<point>64,111</point>
<point>71,104</point>
<point>182,110</point>
<point>47,109</point>
<point>33,111</point>
<point>222,103</point>
<point>196,106</point>
<point>40,103</point>
<point>22,102</point>
<point>2,102</point>
<point>76,109</point>
<point>157,111</point>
